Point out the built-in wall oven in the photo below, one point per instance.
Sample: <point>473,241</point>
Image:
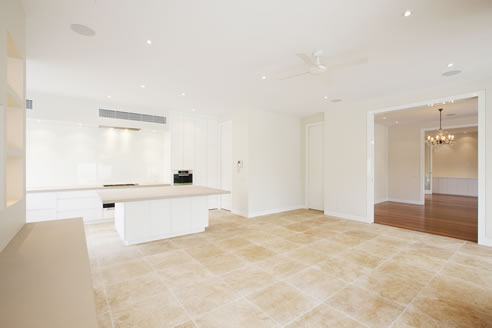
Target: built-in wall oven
<point>183,177</point>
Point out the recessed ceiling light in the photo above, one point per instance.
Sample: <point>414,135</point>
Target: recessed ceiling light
<point>451,73</point>
<point>336,100</point>
<point>149,41</point>
<point>325,97</point>
<point>464,132</point>
<point>183,94</point>
<point>142,86</point>
<point>109,97</point>
<point>263,77</point>
<point>407,13</point>
<point>193,110</point>
<point>82,30</point>
<point>450,65</point>
<point>384,118</point>
<point>397,122</point>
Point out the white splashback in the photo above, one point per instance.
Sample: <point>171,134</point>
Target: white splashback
<point>69,154</point>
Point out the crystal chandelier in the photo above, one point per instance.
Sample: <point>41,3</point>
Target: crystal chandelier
<point>441,140</point>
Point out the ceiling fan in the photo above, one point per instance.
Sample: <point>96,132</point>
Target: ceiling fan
<point>316,67</point>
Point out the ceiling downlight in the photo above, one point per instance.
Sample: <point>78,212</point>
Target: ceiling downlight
<point>83,30</point>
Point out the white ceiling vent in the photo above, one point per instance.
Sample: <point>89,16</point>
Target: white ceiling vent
<point>108,113</point>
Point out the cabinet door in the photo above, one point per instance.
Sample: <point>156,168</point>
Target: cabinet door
<point>188,144</point>
<point>176,143</point>
<point>200,169</point>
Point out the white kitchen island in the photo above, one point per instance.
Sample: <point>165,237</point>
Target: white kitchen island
<point>153,213</point>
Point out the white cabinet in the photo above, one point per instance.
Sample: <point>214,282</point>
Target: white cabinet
<point>51,205</point>
<point>194,146</point>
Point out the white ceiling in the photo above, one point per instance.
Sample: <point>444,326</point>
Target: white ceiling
<point>217,50</point>
<point>459,109</point>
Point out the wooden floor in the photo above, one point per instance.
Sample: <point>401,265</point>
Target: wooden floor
<point>452,216</point>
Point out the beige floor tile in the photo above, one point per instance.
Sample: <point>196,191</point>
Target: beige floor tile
<point>470,274</point>
<point>480,262</point>
<point>124,271</point>
<point>279,245</point>
<point>362,258</point>
<point>369,309</point>
<point>128,292</point>
<point>361,234</point>
<point>255,253</point>
<point>317,283</point>
<point>205,296</point>
<point>342,269</point>
<point>413,318</point>
<point>302,238</point>
<point>120,255</point>
<point>328,247</point>
<point>257,236</point>
<point>248,279</point>
<point>307,255</point>
<point>178,275</point>
<point>156,247</point>
<point>414,258</point>
<point>432,251</point>
<point>407,271</point>
<point>281,266</point>
<point>234,243</point>
<point>282,302</point>
<point>454,303</point>
<point>222,263</point>
<point>187,324</point>
<point>323,316</point>
<point>172,257</point>
<point>298,227</point>
<point>320,232</point>
<point>204,251</point>
<point>188,241</point>
<point>380,248</point>
<point>348,240</point>
<point>475,249</point>
<point>104,320</point>
<point>162,310</point>
<point>100,299</point>
<point>238,314</point>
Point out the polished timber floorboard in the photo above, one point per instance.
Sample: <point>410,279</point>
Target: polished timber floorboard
<point>294,269</point>
<point>446,215</point>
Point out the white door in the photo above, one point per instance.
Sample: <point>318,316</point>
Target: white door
<point>314,174</point>
<point>225,149</point>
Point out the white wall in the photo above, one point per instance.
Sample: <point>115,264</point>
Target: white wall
<point>380,163</point>
<point>272,178</point>
<point>12,19</point>
<point>276,178</point>
<point>67,154</point>
<point>346,175</point>
<point>460,160</point>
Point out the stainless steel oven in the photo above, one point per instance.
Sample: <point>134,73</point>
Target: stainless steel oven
<point>183,177</point>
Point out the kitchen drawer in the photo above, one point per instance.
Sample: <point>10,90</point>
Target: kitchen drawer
<point>41,201</point>
<point>79,203</point>
<point>87,214</point>
<point>76,194</point>
<point>40,215</point>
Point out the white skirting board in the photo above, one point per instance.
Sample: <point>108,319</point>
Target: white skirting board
<point>149,220</point>
<point>455,186</point>
<point>348,216</point>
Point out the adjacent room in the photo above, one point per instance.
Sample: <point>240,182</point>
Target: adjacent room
<point>426,168</point>
<point>225,164</point>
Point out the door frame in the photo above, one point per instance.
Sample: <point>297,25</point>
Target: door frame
<point>482,238</point>
<point>221,124</point>
<point>427,191</point>
<point>306,162</point>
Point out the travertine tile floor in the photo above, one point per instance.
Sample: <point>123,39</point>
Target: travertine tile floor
<point>294,269</point>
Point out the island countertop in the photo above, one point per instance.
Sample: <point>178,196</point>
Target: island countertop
<point>152,193</point>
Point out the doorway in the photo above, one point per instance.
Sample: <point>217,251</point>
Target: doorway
<point>314,166</point>
<point>426,210</point>
<point>225,163</point>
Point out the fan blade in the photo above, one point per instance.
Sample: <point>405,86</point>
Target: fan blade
<point>307,59</point>
<point>288,77</point>
<point>348,63</point>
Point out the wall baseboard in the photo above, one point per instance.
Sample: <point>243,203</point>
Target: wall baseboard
<point>380,201</point>
<point>275,211</point>
<point>405,201</point>
<point>348,216</point>
<point>110,220</point>
<point>484,241</point>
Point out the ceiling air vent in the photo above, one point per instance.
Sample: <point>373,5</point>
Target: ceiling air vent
<point>108,113</point>
<point>28,103</point>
